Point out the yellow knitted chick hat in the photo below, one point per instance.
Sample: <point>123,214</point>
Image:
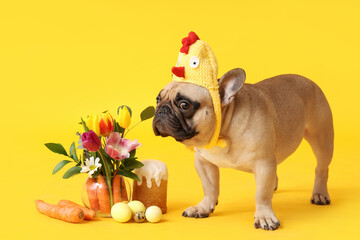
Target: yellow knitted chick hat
<point>197,64</point>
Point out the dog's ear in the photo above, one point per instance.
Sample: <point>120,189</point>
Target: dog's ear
<point>229,84</point>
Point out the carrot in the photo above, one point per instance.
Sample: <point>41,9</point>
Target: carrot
<point>103,195</point>
<point>118,189</point>
<point>89,214</point>
<point>67,214</point>
<point>92,194</point>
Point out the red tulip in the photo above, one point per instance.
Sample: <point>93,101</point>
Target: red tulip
<point>101,124</point>
<point>106,124</point>
<point>91,141</point>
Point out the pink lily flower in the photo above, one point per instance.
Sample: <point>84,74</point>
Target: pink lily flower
<point>119,148</point>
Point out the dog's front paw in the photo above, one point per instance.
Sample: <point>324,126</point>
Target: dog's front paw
<point>320,199</point>
<point>195,212</point>
<point>202,210</point>
<point>266,220</point>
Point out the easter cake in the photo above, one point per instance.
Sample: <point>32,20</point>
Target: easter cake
<point>152,189</point>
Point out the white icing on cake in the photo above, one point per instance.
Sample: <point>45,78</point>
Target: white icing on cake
<point>152,169</point>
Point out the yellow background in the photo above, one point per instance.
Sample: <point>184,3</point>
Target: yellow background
<point>62,60</point>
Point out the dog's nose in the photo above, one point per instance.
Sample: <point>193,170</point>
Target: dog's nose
<point>164,109</point>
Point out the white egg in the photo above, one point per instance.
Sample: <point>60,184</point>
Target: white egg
<point>153,214</point>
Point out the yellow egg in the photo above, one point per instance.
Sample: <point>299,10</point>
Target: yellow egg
<point>136,206</point>
<point>121,212</point>
<point>153,214</point>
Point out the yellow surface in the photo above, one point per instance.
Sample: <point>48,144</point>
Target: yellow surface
<point>62,60</point>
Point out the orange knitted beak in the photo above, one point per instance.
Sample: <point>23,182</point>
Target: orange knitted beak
<point>179,71</point>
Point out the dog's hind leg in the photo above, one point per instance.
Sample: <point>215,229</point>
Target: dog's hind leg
<point>323,149</point>
<point>320,135</point>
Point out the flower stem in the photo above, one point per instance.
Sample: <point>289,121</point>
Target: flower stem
<point>131,128</point>
<point>108,178</point>
<point>117,167</point>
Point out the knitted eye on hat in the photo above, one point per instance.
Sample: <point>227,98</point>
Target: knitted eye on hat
<point>197,65</point>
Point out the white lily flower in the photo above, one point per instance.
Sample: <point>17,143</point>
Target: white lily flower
<point>91,166</point>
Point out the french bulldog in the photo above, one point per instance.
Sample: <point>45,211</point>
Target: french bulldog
<point>262,124</point>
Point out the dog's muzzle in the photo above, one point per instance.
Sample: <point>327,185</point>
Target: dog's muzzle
<point>166,123</point>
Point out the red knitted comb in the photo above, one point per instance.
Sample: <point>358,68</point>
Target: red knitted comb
<point>179,71</point>
<point>188,41</point>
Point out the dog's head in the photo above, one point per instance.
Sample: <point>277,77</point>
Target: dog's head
<point>185,111</point>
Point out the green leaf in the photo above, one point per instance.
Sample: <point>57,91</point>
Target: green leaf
<point>122,106</point>
<point>105,111</point>
<point>80,143</point>
<point>131,164</point>
<point>56,148</point>
<point>147,113</point>
<point>72,152</point>
<point>132,153</point>
<point>71,172</point>
<point>115,126</point>
<point>86,154</point>
<point>60,165</point>
<point>129,174</point>
<point>71,149</point>
<point>86,129</point>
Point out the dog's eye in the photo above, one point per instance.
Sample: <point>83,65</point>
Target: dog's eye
<point>184,105</point>
<point>194,62</point>
<point>158,99</point>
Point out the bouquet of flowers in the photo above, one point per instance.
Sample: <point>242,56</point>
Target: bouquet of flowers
<point>105,155</point>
